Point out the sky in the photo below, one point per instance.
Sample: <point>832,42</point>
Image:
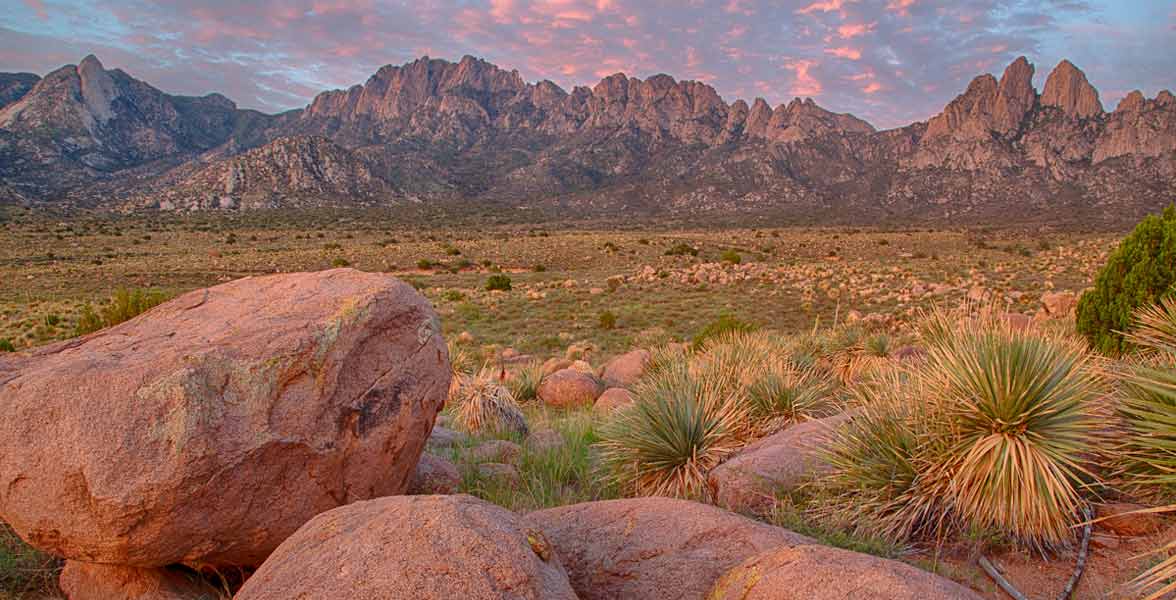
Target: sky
<point>891,62</point>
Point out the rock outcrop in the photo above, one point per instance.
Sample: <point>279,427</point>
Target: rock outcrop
<point>85,581</point>
<point>13,86</point>
<point>420,547</point>
<point>780,462</point>
<point>569,388</point>
<point>653,548</point>
<point>210,428</point>
<point>822,573</point>
<point>1066,88</point>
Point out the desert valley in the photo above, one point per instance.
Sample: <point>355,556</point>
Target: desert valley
<point>450,333</point>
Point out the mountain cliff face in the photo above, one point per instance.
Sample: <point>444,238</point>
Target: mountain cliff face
<point>437,130</point>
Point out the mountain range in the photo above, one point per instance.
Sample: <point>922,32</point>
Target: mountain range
<point>468,131</point>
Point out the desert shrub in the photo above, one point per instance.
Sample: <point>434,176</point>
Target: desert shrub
<point>452,251</point>
<point>424,264</point>
<point>124,305</point>
<point>990,409</point>
<point>855,354</point>
<point>679,427</point>
<point>665,357</point>
<point>498,282</point>
<point>524,386</point>
<point>608,320</point>
<point>1138,273</point>
<point>682,249</point>
<point>731,256</point>
<point>539,268</point>
<point>723,324</point>
<point>453,295</point>
<point>6,345</point>
<point>1146,453</point>
<point>484,404</point>
<point>786,394</point>
<point>340,262</point>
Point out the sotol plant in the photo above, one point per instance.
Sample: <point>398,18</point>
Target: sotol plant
<point>680,427</point>
<point>1138,273</point>
<point>483,404</point>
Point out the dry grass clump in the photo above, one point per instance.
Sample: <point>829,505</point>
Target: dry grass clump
<point>989,433</point>
<point>680,427</point>
<point>524,384</point>
<point>484,404</point>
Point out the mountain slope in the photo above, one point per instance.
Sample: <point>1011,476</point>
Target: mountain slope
<point>438,130</point>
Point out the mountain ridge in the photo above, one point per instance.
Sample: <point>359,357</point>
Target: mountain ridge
<point>468,131</point>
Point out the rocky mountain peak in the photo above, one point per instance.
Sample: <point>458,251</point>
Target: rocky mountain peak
<point>13,86</point>
<point>1015,96</point>
<point>1133,102</point>
<point>1067,89</point>
<point>98,89</point>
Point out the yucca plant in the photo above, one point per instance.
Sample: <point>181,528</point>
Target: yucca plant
<point>461,364</point>
<point>787,394</point>
<point>885,478</point>
<point>863,357</point>
<point>680,427</point>
<point>484,404</point>
<point>1154,327</point>
<point>524,385</point>
<point>665,357</point>
<point>1017,407</point>
<point>1160,580</point>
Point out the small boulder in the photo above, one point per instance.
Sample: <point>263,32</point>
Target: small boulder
<point>552,365</point>
<point>653,548</point>
<point>434,475</point>
<point>502,451</point>
<point>624,370</point>
<point>443,437</point>
<point>1059,304</point>
<point>87,581</point>
<point>1125,520</point>
<point>823,573</point>
<point>613,399</point>
<point>297,393</point>
<point>545,440</point>
<point>782,461</point>
<point>569,388</point>
<point>420,547</point>
<point>500,472</point>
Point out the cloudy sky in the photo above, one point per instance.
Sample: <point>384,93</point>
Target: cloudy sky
<point>889,61</point>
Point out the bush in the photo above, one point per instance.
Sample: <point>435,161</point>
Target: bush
<point>124,305</point>
<point>498,282</point>
<point>539,268</point>
<point>524,386</point>
<point>990,409</point>
<point>679,428</point>
<point>6,345</point>
<point>720,326</point>
<point>787,395</point>
<point>485,405</point>
<point>682,249</point>
<point>731,256</point>
<point>424,264</point>
<point>1138,273</point>
<point>608,320</point>
<point>340,263</point>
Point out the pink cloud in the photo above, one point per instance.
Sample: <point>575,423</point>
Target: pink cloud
<point>902,7</point>
<point>852,30</point>
<point>38,6</point>
<point>872,88</point>
<point>804,83</point>
<point>845,52</point>
<point>822,6</point>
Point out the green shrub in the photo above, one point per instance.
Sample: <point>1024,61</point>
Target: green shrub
<point>720,326</point>
<point>498,282</point>
<point>124,305</point>
<point>424,264</point>
<point>453,295</point>
<point>731,256</point>
<point>1138,273</point>
<point>6,345</point>
<point>678,428</point>
<point>682,249</point>
<point>340,262</point>
<point>539,268</point>
<point>608,320</point>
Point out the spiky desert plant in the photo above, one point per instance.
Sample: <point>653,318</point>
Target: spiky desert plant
<point>665,357</point>
<point>1146,453</point>
<point>885,478</point>
<point>461,364</point>
<point>484,404</point>
<point>787,394</point>
<point>1154,327</point>
<point>863,357</point>
<point>1160,580</point>
<point>524,385</point>
<point>679,427</point>
<point>1017,407</point>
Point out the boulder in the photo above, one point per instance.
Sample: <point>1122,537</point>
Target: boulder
<point>420,547</point>
<point>500,472</point>
<point>434,475</point>
<point>443,437</point>
<point>824,573</point>
<point>653,548</point>
<point>87,581</point>
<point>624,370</point>
<point>1059,304</point>
<point>210,428</point>
<point>503,451</point>
<point>780,462</point>
<point>613,399</point>
<point>544,440</point>
<point>569,388</point>
<point>1126,520</point>
<point>554,364</point>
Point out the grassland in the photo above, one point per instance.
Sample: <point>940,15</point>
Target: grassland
<point>787,279</point>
